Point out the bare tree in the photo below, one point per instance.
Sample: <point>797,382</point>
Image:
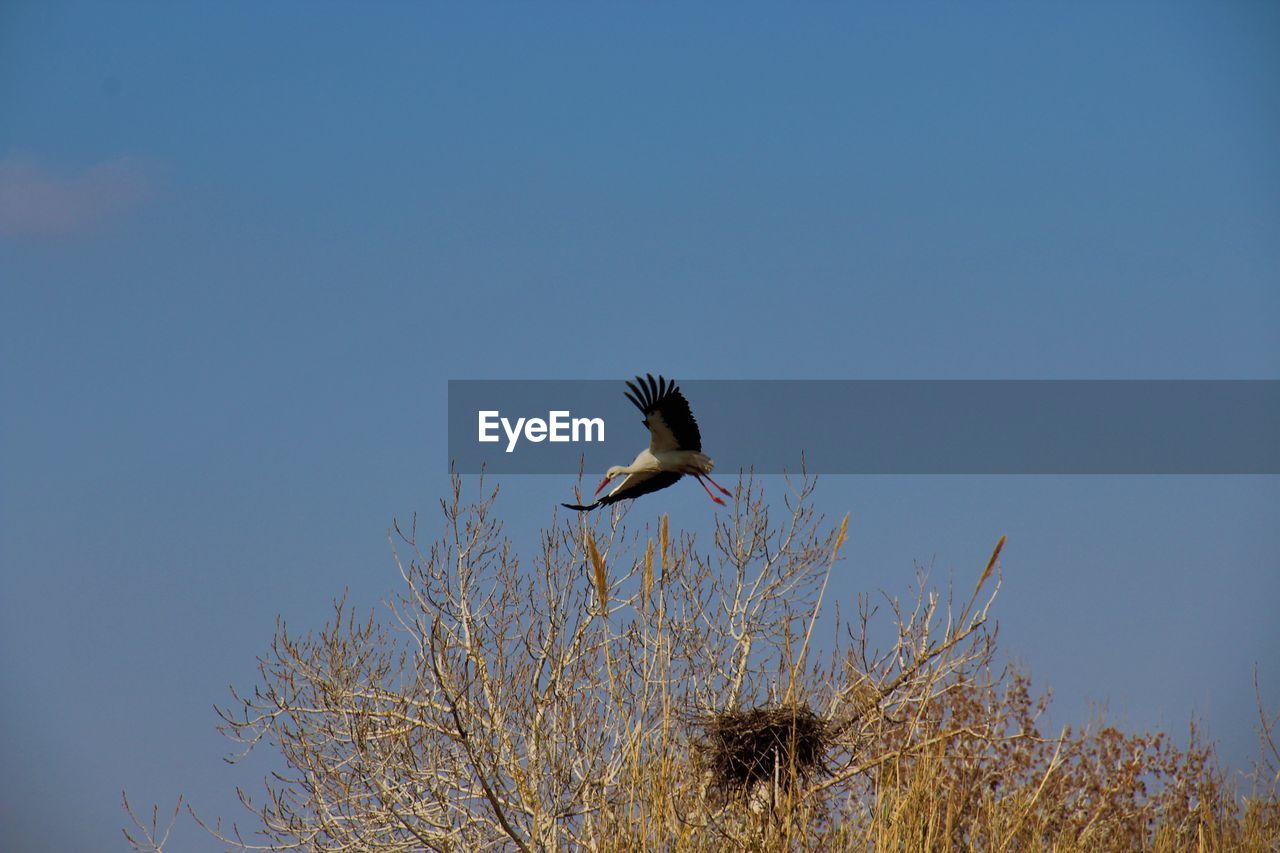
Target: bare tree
<point>626,688</point>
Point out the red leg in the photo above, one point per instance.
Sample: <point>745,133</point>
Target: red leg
<point>699,477</point>
<point>722,489</point>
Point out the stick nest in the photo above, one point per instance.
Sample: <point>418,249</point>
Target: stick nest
<point>742,749</point>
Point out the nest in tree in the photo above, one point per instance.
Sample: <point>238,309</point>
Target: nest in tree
<point>742,749</point>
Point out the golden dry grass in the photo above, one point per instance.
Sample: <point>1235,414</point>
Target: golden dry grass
<point>598,695</point>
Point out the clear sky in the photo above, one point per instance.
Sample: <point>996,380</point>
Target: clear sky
<point>244,246</point>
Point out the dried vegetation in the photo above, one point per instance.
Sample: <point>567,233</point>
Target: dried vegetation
<point>623,688</point>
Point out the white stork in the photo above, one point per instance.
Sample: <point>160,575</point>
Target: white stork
<point>675,446</point>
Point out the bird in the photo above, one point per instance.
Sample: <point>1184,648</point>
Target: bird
<point>675,446</point>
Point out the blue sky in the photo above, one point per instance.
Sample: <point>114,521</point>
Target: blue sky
<point>243,247</point>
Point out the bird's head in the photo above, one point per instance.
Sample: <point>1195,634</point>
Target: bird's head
<point>609,475</point>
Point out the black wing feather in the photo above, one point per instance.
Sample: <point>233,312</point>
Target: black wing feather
<point>634,395</point>
<point>658,481</point>
<point>661,395</point>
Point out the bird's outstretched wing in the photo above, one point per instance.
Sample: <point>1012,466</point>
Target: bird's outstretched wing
<point>666,414</point>
<point>633,487</point>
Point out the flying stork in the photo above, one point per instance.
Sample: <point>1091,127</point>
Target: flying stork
<point>675,446</point>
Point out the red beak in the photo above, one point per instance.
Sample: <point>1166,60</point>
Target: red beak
<point>603,483</point>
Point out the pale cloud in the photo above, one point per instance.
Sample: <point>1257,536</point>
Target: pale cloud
<point>36,200</point>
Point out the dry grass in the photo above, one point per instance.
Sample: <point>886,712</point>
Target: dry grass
<point>622,688</point>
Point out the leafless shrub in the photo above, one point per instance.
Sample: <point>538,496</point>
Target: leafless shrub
<point>607,691</point>
<point>150,837</point>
